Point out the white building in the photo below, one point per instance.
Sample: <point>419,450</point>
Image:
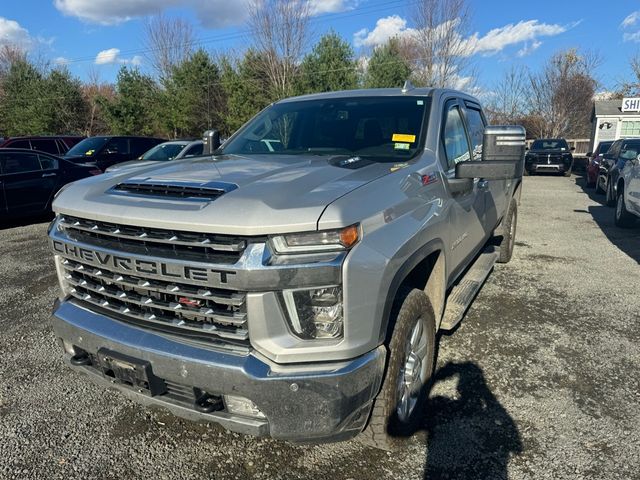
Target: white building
<point>614,119</point>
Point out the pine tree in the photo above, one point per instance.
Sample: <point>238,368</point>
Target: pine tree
<point>387,68</point>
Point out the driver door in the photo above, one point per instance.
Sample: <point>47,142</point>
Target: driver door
<point>467,207</point>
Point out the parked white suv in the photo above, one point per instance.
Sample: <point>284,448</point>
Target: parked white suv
<point>628,187</point>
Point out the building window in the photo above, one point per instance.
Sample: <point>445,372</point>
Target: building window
<point>630,128</point>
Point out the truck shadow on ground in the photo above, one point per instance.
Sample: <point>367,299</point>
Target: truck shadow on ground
<point>626,239</point>
<point>469,435</point>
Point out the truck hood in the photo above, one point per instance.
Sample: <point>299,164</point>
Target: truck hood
<point>267,193</point>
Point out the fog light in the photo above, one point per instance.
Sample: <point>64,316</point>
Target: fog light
<point>315,313</point>
<point>242,406</point>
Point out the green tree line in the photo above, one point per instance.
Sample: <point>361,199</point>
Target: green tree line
<point>199,93</point>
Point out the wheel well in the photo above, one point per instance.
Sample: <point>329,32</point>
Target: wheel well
<point>429,275</point>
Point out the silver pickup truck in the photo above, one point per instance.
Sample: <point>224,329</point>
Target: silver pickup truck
<point>292,282</point>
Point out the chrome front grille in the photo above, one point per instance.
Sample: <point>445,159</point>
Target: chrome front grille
<point>209,248</point>
<point>179,307</point>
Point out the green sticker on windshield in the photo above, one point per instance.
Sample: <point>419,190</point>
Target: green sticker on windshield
<point>402,146</point>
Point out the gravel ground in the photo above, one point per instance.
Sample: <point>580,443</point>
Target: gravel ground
<point>540,380</point>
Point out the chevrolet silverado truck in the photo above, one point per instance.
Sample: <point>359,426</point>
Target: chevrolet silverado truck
<point>292,281</point>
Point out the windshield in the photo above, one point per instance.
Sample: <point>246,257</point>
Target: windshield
<point>164,151</point>
<point>88,146</point>
<point>380,128</point>
<point>603,147</point>
<point>550,144</point>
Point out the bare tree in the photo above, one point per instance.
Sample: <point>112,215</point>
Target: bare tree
<point>631,88</point>
<point>9,54</point>
<point>562,94</point>
<point>168,41</point>
<point>94,89</point>
<point>509,102</point>
<point>281,33</point>
<point>442,50</point>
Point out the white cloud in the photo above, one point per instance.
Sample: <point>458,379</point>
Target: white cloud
<point>492,42</point>
<point>112,55</point>
<point>318,7</point>
<point>11,33</point>
<point>528,49</point>
<point>61,61</point>
<point>211,13</point>
<point>386,28</point>
<point>524,31</point>
<point>631,19</point>
<point>631,37</point>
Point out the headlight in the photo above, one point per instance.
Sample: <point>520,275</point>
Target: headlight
<point>311,242</point>
<point>315,313</point>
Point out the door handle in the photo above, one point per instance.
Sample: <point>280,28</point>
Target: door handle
<point>483,185</point>
<point>44,175</point>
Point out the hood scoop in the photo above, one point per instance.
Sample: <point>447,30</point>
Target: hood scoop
<point>182,190</point>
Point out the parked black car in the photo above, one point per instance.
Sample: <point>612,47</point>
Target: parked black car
<point>611,165</point>
<point>56,145</point>
<point>29,179</point>
<point>109,150</point>
<point>549,155</point>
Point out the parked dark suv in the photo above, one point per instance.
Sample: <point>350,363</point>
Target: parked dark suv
<point>109,150</point>
<point>549,155</point>
<point>57,145</point>
<point>30,179</point>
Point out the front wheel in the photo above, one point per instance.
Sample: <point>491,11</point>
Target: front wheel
<point>623,218</point>
<point>610,199</point>
<point>398,409</point>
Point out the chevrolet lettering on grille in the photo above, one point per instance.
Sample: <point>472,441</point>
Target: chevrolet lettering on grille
<point>130,265</point>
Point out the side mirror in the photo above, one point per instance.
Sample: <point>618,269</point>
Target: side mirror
<point>211,142</point>
<point>572,148</point>
<point>502,155</point>
<point>589,154</point>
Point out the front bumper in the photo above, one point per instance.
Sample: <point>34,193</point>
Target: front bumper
<point>305,402</point>
<point>544,167</point>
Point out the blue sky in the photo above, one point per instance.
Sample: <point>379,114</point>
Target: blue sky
<point>506,32</point>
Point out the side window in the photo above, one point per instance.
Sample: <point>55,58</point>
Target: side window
<point>19,162</point>
<point>19,144</point>
<point>45,145</point>
<point>614,151</point>
<point>48,163</point>
<point>476,125</point>
<point>194,151</point>
<point>456,145</point>
<point>140,146</point>
<point>118,145</point>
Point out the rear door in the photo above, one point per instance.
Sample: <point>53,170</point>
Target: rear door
<point>468,207</point>
<point>630,171</point>
<point>27,186</point>
<point>47,145</point>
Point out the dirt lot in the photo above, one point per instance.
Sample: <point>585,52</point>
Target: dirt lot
<point>540,381</point>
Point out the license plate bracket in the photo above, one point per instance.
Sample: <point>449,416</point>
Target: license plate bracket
<point>129,371</point>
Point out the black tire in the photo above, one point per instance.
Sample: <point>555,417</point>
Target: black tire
<point>599,189</point>
<point>385,429</point>
<point>610,199</point>
<point>509,224</point>
<point>623,218</point>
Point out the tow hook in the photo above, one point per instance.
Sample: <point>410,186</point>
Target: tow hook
<point>80,359</point>
<point>206,403</point>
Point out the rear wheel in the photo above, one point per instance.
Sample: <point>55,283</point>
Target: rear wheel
<point>397,410</point>
<point>599,189</point>
<point>623,217</point>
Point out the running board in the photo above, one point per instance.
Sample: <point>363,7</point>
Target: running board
<point>466,290</point>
